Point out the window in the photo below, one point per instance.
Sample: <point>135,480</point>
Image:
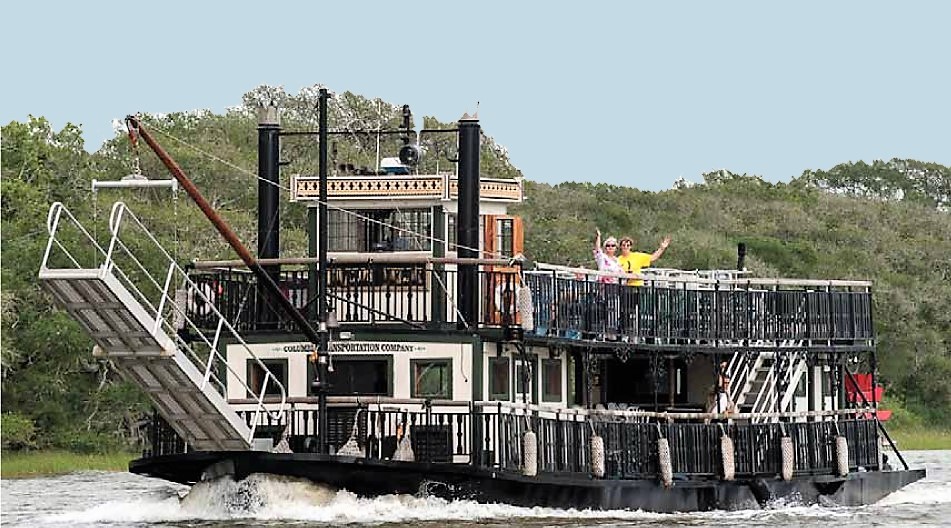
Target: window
<point>801,387</point>
<point>432,378</point>
<point>257,373</point>
<point>364,376</point>
<point>451,234</point>
<point>551,380</point>
<point>364,230</point>
<point>505,232</point>
<point>499,379</point>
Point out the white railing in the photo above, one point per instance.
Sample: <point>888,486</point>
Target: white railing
<point>157,298</point>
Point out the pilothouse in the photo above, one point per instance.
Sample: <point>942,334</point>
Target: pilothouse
<point>416,344</point>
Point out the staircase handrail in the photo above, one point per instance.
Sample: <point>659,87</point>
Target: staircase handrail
<point>119,212</point>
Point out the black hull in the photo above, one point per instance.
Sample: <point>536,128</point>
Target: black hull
<point>375,477</point>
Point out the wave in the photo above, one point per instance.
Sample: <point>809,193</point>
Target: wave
<point>277,498</point>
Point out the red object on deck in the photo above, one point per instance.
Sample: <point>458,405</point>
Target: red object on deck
<point>862,386</point>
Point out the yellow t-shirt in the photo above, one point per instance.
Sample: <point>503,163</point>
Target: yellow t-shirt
<point>632,263</point>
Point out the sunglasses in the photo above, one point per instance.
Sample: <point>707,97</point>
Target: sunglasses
<point>610,245</point>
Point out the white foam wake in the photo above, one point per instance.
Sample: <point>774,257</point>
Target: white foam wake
<point>270,497</point>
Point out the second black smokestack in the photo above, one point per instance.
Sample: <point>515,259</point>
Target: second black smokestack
<point>467,224</point>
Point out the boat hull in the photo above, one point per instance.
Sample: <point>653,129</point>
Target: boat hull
<point>453,481</point>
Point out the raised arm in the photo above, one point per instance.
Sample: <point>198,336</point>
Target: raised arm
<point>660,251</point>
<point>597,239</point>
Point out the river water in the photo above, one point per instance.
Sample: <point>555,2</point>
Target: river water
<point>124,500</point>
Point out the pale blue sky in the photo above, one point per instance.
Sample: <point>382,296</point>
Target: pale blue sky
<point>631,93</point>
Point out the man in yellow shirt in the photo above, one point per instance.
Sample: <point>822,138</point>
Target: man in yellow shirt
<point>632,262</point>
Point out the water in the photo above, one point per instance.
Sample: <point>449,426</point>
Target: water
<point>124,500</point>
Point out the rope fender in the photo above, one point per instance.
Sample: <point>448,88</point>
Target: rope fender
<point>727,453</point>
<point>597,456</point>
<point>530,454</point>
<point>789,457</point>
<point>841,456</point>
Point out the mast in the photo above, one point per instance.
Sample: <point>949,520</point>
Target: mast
<point>324,341</point>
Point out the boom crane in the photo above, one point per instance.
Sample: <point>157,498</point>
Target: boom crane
<point>263,277</point>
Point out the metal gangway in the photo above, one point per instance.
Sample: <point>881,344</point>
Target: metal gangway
<point>130,298</point>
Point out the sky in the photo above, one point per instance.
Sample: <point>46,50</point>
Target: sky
<point>629,93</point>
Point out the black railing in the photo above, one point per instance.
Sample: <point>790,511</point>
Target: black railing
<point>368,293</point>
<point>492,437</point>
<point>584,309</point>
<point>418,295</point>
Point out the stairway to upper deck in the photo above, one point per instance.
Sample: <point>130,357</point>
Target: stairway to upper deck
<point>134,315</point>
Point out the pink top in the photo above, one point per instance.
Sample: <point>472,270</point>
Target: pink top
<point>607,263</point>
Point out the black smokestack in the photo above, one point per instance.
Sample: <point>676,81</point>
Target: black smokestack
<point>269,128</point>
<point>269,223</point>
<point>467,225</point>
<point>740,256</point>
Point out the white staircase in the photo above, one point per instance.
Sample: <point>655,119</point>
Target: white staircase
<point>757,378</point>
<point>134,319</point>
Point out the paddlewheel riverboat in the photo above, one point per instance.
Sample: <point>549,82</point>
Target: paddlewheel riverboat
<point>415,351</point>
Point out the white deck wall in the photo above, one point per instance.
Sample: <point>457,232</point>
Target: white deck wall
<point>297,357</point>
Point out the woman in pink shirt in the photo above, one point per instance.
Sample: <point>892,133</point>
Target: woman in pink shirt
<point>607,261</point>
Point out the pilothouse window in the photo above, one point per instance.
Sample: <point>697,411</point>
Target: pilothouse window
<point>367,230</point>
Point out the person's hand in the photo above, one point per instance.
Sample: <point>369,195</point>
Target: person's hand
<point>666,242</point>
<point>598,232</point>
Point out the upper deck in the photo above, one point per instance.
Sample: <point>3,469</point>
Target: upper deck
<point>674,310</point>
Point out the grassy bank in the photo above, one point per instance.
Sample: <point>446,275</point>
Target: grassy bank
<point>33,463</point>
<point>914,438</point>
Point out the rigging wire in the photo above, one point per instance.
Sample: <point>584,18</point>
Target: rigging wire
<point>329,205</point>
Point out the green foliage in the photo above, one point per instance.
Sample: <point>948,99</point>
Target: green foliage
<point>33,463</point>
<point>847,222</point>
<point>18,431</point>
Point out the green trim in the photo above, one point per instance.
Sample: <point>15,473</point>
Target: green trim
<point>359,357</point>
<point>437,296</point>
<point>501,396</point>
<point>547,396</point>
<point>477,362</point>
<point>536,378</point>
<point>447,362</point>
<point>251,362</point>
